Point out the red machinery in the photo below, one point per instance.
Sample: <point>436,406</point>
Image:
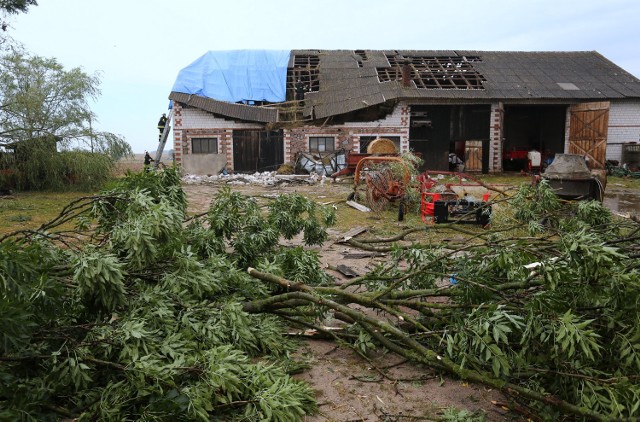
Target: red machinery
<point>522,160</point>
<point>383,183</point>
<point>441,204</point>
<point>353,158</point>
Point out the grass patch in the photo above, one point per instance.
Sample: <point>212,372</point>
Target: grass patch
<point>20,218</point>
<point>29,210</point>
<point>625,182</point>
<point>8,204</point>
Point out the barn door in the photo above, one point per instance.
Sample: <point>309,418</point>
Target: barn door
<point>589,123</point>
<point>257,150</point>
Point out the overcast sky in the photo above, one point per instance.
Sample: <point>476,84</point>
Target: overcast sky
<point>139,46</point>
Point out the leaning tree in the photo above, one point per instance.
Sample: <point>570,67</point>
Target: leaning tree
<point>45,118</point>
<point>44,114</point>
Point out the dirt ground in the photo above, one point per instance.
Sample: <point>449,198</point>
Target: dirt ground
<point>348,387</point>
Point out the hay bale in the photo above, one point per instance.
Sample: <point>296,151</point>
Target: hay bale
<point>381,146</point>
<point>286,168</point>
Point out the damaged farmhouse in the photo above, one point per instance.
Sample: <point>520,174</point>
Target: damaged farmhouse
<point>253,110</point>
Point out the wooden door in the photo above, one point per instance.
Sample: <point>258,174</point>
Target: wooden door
<point>257,150</point>
<point>588,127</point>
<point>473,156</point>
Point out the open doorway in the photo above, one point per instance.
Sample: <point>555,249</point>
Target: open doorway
<point>532,128</point>
<point>439,130</point>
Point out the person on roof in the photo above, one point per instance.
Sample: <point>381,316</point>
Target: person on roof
<point>161,124</point>
<point>300,89</point>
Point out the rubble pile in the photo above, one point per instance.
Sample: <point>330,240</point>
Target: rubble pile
<point>267,178</point>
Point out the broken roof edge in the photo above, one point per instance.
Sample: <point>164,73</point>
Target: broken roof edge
<point>226,109</point>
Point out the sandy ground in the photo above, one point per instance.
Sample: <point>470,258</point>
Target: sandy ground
<point>348,387</point>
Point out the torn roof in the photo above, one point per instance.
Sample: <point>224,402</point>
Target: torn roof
<point>342,81</point>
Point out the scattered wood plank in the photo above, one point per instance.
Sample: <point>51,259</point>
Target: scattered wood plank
<point>360,255</point>
<point>351,233</point>
<point>323,332</point>
<point>359,207</point>
<point>346,271</point>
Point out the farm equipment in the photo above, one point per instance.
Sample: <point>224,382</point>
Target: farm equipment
<point>453,197</point>
<point>385,182</point>
<point>530,161</point>
<point>569,176</point>
<point>352,160</point>
<point>380,147</point>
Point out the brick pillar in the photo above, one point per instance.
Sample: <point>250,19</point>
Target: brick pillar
<point>287,145</point>
<point>405,119</point>
<point>496,126</point>
<point>355,143</point>
<point>177,146</point>
<point>177,132</point>
<point>567,129</point>
<point>229,149</point>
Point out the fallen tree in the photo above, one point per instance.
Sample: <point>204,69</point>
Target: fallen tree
<point>131,315</point>
<point>141,312</point>
<point>546,309</point>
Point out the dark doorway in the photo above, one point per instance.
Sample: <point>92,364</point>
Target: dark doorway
<point>527,128</point>
<point>257,150</point>
<point>436,131</point>
<point>429,135</point>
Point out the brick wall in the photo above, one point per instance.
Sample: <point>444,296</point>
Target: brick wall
<point>348,135</point>
<point>297,140</point>
<point>495,137</point>
<point>624,127</point>
<point>193,123</point>
<point>197,119</point>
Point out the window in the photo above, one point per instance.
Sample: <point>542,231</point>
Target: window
<point>204,145</point>
<point>321,144</point>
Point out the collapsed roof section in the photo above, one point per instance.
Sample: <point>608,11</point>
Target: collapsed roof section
<point>343,81</point>
<point>433,72</point>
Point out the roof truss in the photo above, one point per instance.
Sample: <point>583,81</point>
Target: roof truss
<point>434,72</point>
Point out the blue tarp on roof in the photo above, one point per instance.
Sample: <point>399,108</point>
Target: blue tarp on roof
<point>237,75</point>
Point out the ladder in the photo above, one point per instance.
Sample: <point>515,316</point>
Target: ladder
<point>163,139</point>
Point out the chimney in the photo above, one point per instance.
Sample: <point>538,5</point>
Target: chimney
<point>405,70</point>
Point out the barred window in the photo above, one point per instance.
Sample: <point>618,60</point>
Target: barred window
<point>204,145</point>
<point>321,144</point>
